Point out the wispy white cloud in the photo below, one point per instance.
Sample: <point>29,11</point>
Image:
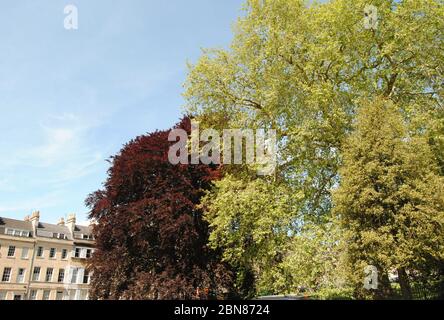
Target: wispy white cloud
<point>62,155</point>
<point>48,200</point>
<point>73,171</point>
<point>63,145</point>
<point>68,100</point>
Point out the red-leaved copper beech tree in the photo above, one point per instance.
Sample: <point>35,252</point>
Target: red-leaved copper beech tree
<point>150,236</point>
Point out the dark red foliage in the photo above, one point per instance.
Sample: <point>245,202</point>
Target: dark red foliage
<point>150,236</point>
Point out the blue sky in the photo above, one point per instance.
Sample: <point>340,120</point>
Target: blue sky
<point>70,99</point>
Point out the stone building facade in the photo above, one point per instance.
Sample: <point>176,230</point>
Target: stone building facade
<point>42,261</point>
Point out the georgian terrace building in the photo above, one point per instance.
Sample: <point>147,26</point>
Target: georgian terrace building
<point>42,261</point>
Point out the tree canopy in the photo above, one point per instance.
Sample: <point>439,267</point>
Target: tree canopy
<point>359,116</point>
<point>306,70</point>
<point>151,239</point>
<point>391,198</point>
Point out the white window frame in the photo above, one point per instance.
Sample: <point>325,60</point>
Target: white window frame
<point>55,253</point>
<point>9,249</point>
<point>62,295</point>
<point>9,275</point>
<point>46,274</point>
<point>25,250</point>
<point>88,274</point>
<point>82,252</point>
<point>64,275</point>
<point>38,274</point>
<point>33,294</point>
<point>23,276</point>
<point>49,295</point>
<point>75,252</point>
<point>17,294</point>
<point>74,275</point>
<point>64,252</point>
<point>43,252</point>
<point>17,233</point>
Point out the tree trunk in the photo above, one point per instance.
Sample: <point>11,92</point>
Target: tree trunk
<point>384,290</point>
<point>404,282</point>
<point>441,283</point>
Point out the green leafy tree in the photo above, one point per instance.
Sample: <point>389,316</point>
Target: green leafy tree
<point>314,261</point>
<point>273,251</point>
<point>302,69</point>
<point>390,200</point>
<point>253,229</point>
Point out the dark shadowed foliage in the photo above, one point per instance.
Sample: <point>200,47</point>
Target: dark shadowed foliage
<point>151,239</point>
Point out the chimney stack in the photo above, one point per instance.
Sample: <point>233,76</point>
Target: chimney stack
<point>71,223</point>
<point>27,218</point>
<point>61,222</point>
<point>35,217</point>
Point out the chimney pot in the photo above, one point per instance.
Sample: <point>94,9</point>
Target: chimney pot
<point>71,218</point>
<point>35,217</point>
<point>71,223</point>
